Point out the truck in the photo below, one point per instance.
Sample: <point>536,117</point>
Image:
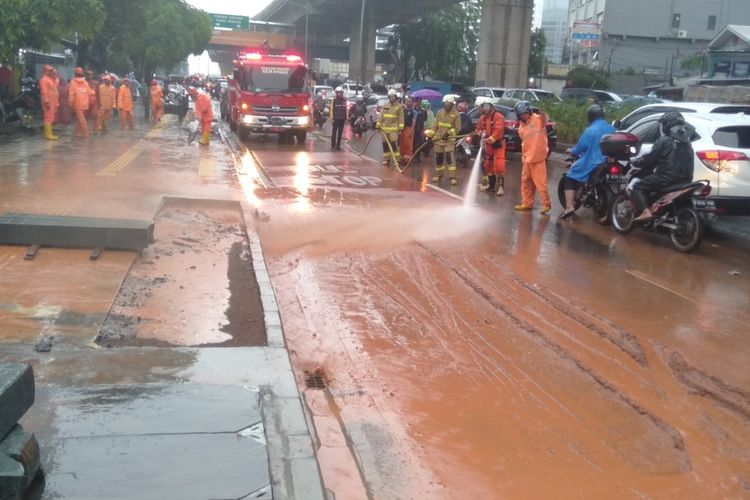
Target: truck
<point>268,94</point>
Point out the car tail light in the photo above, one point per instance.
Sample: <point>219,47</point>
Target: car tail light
<point>293,58</point>
<point>717,160</point>
<point>614,170</point>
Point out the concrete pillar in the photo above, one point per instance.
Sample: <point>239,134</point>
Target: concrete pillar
<point>364,70</point>
<point>504,43</point>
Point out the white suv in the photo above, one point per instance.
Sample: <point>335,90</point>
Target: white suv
<point>682,107</point>
<point>494,93</point>
<point>722,155</point>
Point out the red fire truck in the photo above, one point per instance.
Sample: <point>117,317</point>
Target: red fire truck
<point>268,94</point>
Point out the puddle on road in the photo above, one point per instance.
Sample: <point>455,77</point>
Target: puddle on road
<point>194,287</point>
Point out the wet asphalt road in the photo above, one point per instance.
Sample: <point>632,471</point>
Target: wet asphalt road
<point>467,352</point>
<point>476,351</point>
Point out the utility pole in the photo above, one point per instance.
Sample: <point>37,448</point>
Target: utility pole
<point>361,43</point>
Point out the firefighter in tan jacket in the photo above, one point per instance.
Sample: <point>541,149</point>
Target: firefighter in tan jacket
<point>391,123</point>
<point>444,130</point>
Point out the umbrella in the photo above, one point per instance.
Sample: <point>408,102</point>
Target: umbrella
<point>428,94</point>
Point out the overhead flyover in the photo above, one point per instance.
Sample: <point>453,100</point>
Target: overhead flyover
<point>504,36</point>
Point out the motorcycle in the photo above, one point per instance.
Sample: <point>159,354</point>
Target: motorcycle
<point>320,115</point>
<point>359,126</point>
<point>606,181</point>
<point>24,107</point>
<point>677,212</point>
<point>464,150</point>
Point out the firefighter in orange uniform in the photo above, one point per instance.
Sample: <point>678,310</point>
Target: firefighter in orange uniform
<point>79,96</point>
<point>492,124</point>
<point>106,102</point>
<point>93,113</point>
<point>125,105</point>
<point>157,105</point>
<point>50,100</point>
<point>203,113</point>
<point>532,130</point>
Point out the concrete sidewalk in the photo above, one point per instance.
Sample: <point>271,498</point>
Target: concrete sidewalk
<point>142,422</point>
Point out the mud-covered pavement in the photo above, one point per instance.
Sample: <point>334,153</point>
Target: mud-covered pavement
<point>442,351</point>
<point>482,353</point>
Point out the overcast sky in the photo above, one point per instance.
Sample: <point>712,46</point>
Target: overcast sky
<point>252,7</point>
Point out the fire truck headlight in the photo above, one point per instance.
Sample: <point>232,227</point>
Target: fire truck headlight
<point>244,105</point>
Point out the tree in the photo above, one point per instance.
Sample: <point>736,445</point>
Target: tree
<point>441,44</point>
<point>37,24</point>
<point>143,35</point>
<point>536,54</point>
<point>692,62</point>
<point>587,78</point>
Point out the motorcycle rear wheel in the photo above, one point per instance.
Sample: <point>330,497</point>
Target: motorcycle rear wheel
<point>623,214</point>
<point>690,232</point>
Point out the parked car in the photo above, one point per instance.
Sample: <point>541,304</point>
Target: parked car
<point>682,107</point>
<point>601,97</point>
<point>352,89</point>
<point>512,141</point>
<point>722,155</point>
<point>531,95</point>
<point>374,104</point>
<point>322,89</point>
<point>494,93</point>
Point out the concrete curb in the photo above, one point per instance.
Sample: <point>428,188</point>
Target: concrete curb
<point>294,468</point>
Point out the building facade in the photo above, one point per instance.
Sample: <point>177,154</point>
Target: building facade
<point>651,36</point>
<point>555,28</point>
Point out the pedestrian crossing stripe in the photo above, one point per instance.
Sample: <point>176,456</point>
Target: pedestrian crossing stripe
<point>123,161</point>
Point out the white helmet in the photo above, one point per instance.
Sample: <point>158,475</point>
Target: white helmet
<point>483,100</point>
<point>449,98</point>
<point>339,89</point>
<point>392,92</point>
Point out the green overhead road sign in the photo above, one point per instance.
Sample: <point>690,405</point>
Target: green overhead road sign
<point>231,22</point>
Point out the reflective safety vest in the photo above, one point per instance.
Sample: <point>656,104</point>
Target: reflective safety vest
<point>446,121</point>
<point>392,118</point>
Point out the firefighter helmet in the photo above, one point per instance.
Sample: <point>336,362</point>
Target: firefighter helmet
<point>449,98</point>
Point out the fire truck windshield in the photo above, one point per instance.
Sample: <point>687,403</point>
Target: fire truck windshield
<point>270,78</point>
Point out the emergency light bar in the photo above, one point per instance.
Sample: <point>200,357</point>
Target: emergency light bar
<point>256,56</point>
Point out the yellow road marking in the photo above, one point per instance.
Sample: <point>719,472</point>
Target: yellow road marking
<point>122,161</point>
<point>206,166</point>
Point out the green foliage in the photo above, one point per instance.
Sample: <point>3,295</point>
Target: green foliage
<point>36,24</point>
<point>536,55</point>
<point>572,118</point>
<point>692,63</point>
<point>441,44</point>
<point>587,78</point>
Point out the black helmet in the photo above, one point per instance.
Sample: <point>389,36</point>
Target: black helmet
<point>522,107</point>
<point>595,112</point>
<point>671,119</point>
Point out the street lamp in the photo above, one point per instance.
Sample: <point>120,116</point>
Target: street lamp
<point>305,6</point>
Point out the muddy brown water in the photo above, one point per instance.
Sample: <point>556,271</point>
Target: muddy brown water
<point>194,287</point>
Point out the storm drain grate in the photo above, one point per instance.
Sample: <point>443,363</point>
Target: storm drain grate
<point>315,380</point>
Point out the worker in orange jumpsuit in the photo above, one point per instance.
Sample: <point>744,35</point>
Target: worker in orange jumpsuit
<point>203,113</point>
<point>406,138</point>
<point>491,126</point>
<point>532,131</point>
<point>107,102</point>
<point>49,91</point>
<point>125,105</point>
<point>157,105</point>
<point>93,113</point>
<point>79,96</point>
